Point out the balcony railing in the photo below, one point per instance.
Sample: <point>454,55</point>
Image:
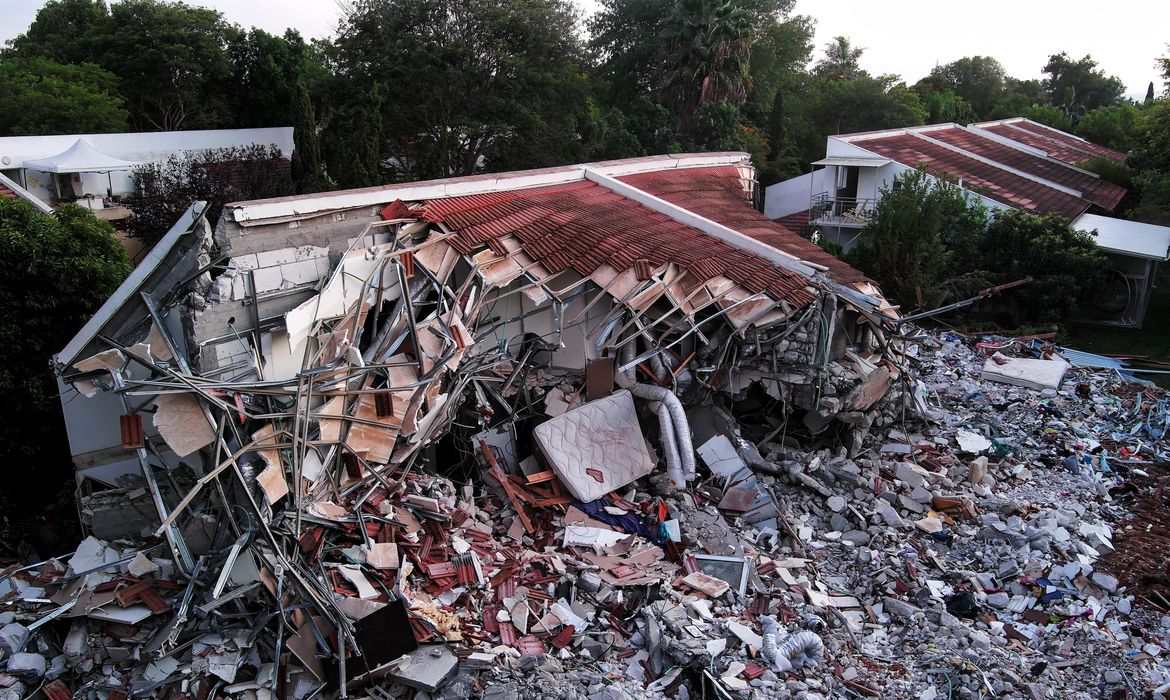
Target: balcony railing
<point>847,211</point>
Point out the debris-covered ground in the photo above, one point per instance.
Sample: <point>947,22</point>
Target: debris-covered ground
<point>969,553</point>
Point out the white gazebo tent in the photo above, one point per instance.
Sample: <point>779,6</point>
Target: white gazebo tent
<point>79,158</point>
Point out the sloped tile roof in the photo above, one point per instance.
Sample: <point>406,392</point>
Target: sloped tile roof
<point>1054,149</point>
<point>1068,140</point>
<point>718,194</point>
<point>581,226</point>
<point>988,180</point>
<point>1093,189</point>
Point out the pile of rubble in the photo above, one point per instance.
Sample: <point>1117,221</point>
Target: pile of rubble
<point>957,553</point>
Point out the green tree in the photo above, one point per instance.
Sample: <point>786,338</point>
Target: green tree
<point>1065,264</point>
<point>719,126</point>
<point>172,59</point>
<point>40,96</point>
<point>980,81</point>
<point>842,60</point>
<point>1110,126</point>
<point>1078,87</point>
<point>69,263</point>
<point>1163,64</point>
<point>904,246</point>
<point>1056,117</point>
<point>59,31</point>
<point>307,170</point>
<point>946,106</point>
<point>1150,161</point>
<point>628,37</point>
<point>352,146</point>
<point>866,103</point>
<point>605,134</point>
<point>710,44</point>
<point>478,84</point>
<point>1018,97</point>
<point>779,54</point>
<point>265,72</point>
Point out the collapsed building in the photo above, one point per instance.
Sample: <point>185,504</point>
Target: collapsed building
<point>379,441</point>
<point>313,353</point>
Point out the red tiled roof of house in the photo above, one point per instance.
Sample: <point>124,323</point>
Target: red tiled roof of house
<point>795,221</point>
<point>6,191</point>
<point>582,225</point>
<point>718,194</point>
<point>1054,149</point>
<point>1093,189</point>
<point>988,180</point>
<point>1069,140</point>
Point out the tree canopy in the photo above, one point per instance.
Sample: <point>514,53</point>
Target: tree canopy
<point>1079,87</point>
<point>41,96</point>
<point>482,82</point>
<point>931,242</point>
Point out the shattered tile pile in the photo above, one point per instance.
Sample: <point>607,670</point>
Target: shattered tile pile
<point>957,553</point>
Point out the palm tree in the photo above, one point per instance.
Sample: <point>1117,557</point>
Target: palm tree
<point>842,60</point>
<point>710,48</point>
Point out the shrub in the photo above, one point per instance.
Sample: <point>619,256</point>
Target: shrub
<point>164,189</point>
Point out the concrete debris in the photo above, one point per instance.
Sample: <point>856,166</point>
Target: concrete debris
<point>413,495</point>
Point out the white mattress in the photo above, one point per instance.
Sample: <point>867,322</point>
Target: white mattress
<point>597,447</point>
<point>1033,374</point>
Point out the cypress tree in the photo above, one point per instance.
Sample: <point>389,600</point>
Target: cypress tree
<point>308,175</point>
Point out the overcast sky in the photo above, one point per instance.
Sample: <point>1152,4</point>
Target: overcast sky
<point>907,37</point>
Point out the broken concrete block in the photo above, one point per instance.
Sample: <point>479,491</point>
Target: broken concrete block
<point>426,668</point>
<point>1105,581</point>
<point>13,637</point>
<point>888,514</point>
<point>27,667</point>
<point>899,608</point>
<point>910,474</point>
<point>977,470</point>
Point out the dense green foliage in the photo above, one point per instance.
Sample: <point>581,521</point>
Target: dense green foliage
<point>41,96</point>
<point>902,246</point>
<point>928,245</point>
<point>61,268</point>
<point>463,84</point>
<point>1064,263</point>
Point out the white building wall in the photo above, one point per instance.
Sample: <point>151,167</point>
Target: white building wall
<point>793,195</point>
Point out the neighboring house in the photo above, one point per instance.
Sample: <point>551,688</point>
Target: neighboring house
<point>94,170</point>
<point>576,261</point>
<point>1011,163</point>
